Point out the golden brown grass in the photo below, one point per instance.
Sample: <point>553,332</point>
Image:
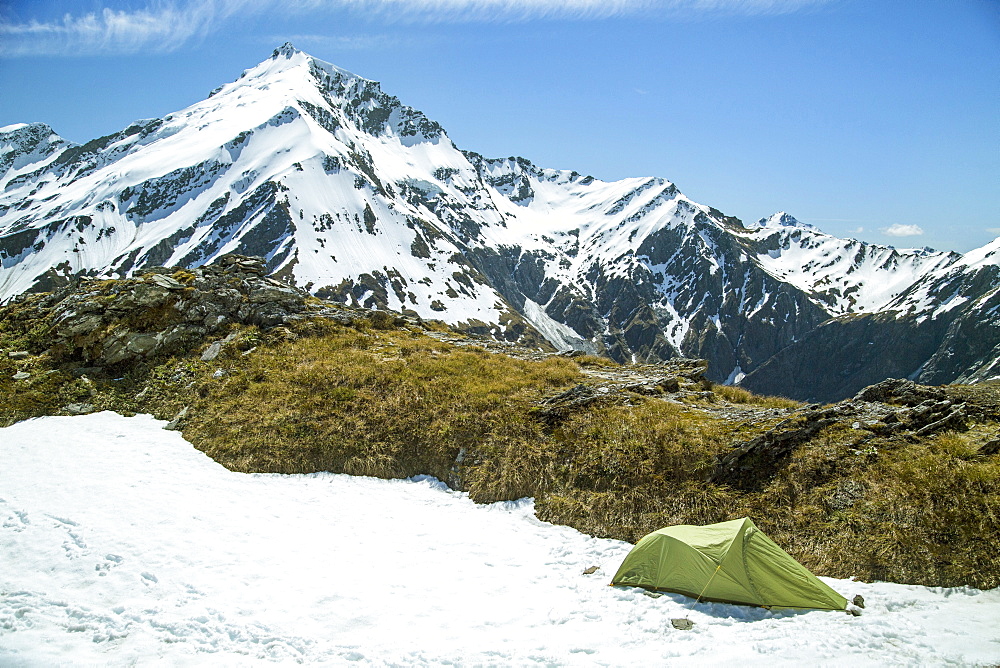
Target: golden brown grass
<point>382,403</point>
<point>738,395</point>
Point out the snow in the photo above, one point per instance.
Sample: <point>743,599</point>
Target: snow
<point>561,336</point>
<point>124,545</point>
<point>843,276</point>
<point>784,219</point>
<point>735,376</point>
<point>986,256</point>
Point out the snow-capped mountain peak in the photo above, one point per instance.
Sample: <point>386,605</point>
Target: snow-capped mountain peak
<point>348,192</point>
<point>783,219</point>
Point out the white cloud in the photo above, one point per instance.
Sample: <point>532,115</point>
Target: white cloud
<point>167,25</point>
<point>899,230</point>
<point>993,230</point>
<point>165,28</point>
<point>514,10</point>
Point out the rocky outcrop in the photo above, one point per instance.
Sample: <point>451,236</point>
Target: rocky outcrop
<point>894,407</point>
<point>118,322</point>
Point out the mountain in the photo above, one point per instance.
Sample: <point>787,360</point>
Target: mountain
<point>351,194</point>
<point>943,327</point>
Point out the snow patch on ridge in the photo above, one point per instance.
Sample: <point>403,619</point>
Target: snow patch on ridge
<point>561,336</point>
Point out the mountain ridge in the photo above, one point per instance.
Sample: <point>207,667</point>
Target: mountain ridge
<point>349,193</point>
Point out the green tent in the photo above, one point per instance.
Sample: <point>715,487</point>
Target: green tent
<point>729,562</point>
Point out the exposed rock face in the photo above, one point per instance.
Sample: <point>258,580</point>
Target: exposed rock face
<point>663,380</point>
<point>892,407</point>
<point>109,323</point>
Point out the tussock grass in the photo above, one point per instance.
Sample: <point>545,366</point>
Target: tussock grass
<point>738,395</point>
<point>632,513</point>
<point>370,402</point>
<point>595,361</point>
<point>624,471</point>
<point>923,512</point>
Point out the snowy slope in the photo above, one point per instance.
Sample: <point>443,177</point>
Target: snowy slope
<point>124,545</point>
<point>845,275</point>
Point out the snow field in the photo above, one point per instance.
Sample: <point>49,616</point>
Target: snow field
<point>120,543</point>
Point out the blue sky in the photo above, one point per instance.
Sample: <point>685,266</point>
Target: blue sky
<point>872,119</point>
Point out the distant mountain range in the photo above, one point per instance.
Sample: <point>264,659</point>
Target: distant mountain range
<point>351,194</point>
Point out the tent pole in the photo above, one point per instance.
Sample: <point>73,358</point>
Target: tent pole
<point>703,589</point>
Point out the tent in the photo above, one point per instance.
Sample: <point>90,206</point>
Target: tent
<point>729,562</point>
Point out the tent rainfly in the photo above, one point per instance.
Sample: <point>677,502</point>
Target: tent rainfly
<point>729,562</point>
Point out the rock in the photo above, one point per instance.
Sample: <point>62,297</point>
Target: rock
<point>900,391</point>
<point>858,600</point>
<point>591,570</point>
<point>80,325</point>
<point>22,375</point>
<point>219,373</point>
<point>178,422</point>
<point>991,448</point>
<point>682,624</point>
<point>954,419</point>
<point>167,282</point>
<point>157,270</point>
<point>690,369</point>
<point>268,314</point>
<point>78,409</point>
<point>750,464</point>
<point>556,408</point>
<point>19,355</point>
<point>141,344</point>
<point>212,352</point>
<point>115,322</point>
<point>655,387</point>
<point>670,385</point>
<point>274,293</point>
<point>149,294</point>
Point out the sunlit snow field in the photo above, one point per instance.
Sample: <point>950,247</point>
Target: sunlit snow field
<point>120,543</point>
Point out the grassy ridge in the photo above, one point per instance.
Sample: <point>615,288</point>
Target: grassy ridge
<point>371,399</point>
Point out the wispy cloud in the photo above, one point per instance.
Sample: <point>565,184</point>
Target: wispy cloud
<point>167,25</point>
<point>516,10</point>
<point>899,230</point>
